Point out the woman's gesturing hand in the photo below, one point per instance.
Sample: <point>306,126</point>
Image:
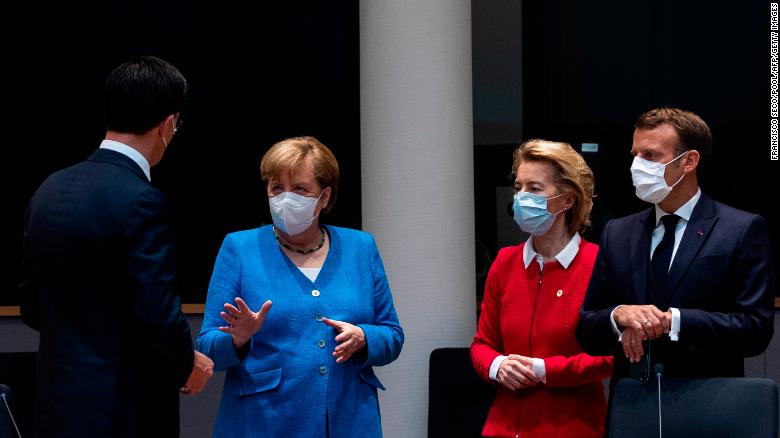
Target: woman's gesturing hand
<point>351,339</point>
<point>242,322</point>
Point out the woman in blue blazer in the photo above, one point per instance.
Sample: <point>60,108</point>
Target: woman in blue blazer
<point>301,365</point>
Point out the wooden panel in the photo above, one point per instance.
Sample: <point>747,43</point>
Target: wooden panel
<point>189,309</point>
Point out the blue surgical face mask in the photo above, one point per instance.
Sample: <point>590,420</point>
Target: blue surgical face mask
<point>531,213</point>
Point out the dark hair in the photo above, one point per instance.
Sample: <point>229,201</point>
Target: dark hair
<point>141,93</point>
<point>694,134</point>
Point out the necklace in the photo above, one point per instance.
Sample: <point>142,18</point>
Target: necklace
<point>300,251</point>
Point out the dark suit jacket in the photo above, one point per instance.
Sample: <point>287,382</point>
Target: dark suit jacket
<point>98,283</point>
<point>721,279</point>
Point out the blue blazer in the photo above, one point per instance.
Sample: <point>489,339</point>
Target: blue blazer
<point>721,279</point>
<point>289,382</point>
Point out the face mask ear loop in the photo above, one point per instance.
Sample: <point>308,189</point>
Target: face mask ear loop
<point>556,196</point>
<point>683,175</point>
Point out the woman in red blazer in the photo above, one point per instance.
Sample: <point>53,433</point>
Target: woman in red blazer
<point>547,386</point>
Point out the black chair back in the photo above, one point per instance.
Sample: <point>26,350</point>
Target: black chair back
<point>458,399</point>
<point>712,407</point>
<point>8,428</point>
<point>17,372</point>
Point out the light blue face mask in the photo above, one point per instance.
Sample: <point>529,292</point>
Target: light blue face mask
<point>531,212</point>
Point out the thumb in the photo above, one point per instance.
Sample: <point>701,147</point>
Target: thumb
<point>264,310</point>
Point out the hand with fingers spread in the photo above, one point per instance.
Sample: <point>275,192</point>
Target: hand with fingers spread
<point>516,372</point>
<point>640,322</point>
<point>350,339</point>
<point>242,322</point>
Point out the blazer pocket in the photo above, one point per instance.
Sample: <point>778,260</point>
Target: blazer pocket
<point>367,375</point>
<point>259,381</point>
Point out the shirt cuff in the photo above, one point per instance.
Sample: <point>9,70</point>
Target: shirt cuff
<point>675,330</point>
<point>540,370</point>
<point>494,367</point>
<point>614,324</point>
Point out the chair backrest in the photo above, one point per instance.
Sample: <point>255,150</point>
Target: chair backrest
<point>17,370</point>
<point>458,399</point>
<point>712,407</point>
<point>7,421</point>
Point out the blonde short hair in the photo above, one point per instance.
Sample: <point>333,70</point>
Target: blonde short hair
<point>290,154</point>
<point>571,175</point>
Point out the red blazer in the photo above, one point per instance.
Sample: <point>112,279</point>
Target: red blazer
<point>535,313</point>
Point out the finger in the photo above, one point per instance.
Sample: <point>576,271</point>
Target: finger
<point>522,383</point>
<point>667,321</point>
<point>264,309</point>
<point>528,375</point>
<point>513,370</point>
<point>228,330</point>
<point>349,343</point>
<point>636,347</point>
<point>647,327</point>
<point>230,319</point>
<point>197,388</point>
<point>344,357</point>
<point>629,342</point>
<point>522,359</point>
<point>507,379</point>
<point>333,323</point>
<point>657,325</point>
<point>525,374</point>
<point>195,384</point>
<point>626,346</point>
<point>229,308</point>
<point>242,307</point>
<point>344,336</point>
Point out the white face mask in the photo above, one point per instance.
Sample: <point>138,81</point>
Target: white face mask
<point>648,178</point>
<point>293,213</point>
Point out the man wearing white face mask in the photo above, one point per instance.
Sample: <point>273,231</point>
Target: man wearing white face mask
<point>688,282</point>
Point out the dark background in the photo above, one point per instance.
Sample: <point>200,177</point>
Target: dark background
<point>590,68</point>
<point>584,71</point>
<point>257,74</point>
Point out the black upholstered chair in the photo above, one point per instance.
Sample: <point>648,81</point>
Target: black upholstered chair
<point>714,407</point>
<point>17,371</point>
<point>458,399</point>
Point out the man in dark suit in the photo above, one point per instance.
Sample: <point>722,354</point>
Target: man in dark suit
<point>687,283</point>
<point>98,275</point>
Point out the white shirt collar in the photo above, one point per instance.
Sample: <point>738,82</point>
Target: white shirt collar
<point>129,152</point>
<point>565,257</point>
<point>684,211</point>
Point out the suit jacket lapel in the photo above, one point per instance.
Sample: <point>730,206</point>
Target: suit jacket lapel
<point>640,254</point>
<point>696,233</point>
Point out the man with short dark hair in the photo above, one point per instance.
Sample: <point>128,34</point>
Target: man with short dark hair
<point>98,275</point>
<point>687,283</point>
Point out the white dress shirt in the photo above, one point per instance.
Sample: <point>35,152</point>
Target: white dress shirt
<point>684,212</point>
<point>129,152</point>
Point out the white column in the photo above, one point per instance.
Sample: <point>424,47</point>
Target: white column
<point>417,184</point>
